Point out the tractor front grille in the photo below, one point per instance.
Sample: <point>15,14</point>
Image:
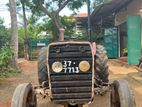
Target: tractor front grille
<point>69,87</point>
<point>73,88</point>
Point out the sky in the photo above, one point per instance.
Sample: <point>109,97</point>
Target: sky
<point>4,13</point>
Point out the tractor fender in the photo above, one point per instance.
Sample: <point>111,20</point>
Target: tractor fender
<point>94,48</point>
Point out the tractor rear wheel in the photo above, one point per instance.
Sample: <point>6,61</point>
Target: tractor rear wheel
<point>42,67</point>
<point>101,66</point>
<point>122,95</point>
<point>24,96</point>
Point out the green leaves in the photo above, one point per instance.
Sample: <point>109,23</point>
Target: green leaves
<point>51,8</point>
<point>5,69</point>
<point>76,4</point>
<point>3,30</point>
<point>69,25</point>
<point>5,54</point>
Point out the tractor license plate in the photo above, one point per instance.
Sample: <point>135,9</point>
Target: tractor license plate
<point>70,67</point>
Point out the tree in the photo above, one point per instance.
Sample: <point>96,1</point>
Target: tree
<point>2,27</point>
<point>33,28</point>
<point>21,6</point>
<point>52,8</point>
<point>14,35</point>
<point>3,30</point>
<point>69,24</point>
<point>67,21</point>
<point>25,29</point>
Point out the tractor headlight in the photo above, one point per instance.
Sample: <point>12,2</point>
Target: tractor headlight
<point>57,67</point>
<point>84,66</point>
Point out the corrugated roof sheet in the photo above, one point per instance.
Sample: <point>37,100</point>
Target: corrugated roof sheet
<point>109,8</point>
<point>104,11</point>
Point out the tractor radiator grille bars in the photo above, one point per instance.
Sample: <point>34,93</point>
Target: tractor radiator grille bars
<point>71,85</point>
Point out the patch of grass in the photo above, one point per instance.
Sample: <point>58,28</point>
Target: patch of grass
<point>8,72</point>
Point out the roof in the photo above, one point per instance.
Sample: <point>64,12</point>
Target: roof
<point>109,8</point>
<point>81,15</point>
<point>107,11</point>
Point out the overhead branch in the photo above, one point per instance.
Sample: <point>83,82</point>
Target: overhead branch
<point>62,6</point>
<point>43,8</point>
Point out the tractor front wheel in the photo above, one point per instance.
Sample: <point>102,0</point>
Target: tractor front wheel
<point>24,96</point>
<point>122,95</point>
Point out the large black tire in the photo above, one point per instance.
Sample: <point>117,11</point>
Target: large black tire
<point>122,95</point>
<point>42,65</point>
<point>24,96</point>
<point>101,66</point>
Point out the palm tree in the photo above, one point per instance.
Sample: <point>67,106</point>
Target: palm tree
<point>14,33</point>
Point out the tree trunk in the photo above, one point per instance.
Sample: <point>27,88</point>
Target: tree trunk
<point>14,35</point>
<point>25,31</point>
<point>58,25</point>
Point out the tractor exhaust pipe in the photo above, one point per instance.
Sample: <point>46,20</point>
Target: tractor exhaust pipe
<point>89,21</point>
<point>61,36</point>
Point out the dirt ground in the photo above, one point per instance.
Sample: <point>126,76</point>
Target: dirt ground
<point>118,70</point>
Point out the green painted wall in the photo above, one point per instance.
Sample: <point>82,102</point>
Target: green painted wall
<point>111,42</point>
<point>134,39</point>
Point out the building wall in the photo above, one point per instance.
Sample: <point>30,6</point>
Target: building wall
<point>130,35</point>
<point>132,9</point>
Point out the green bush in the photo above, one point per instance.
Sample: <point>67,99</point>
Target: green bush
<point>5,54</point>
